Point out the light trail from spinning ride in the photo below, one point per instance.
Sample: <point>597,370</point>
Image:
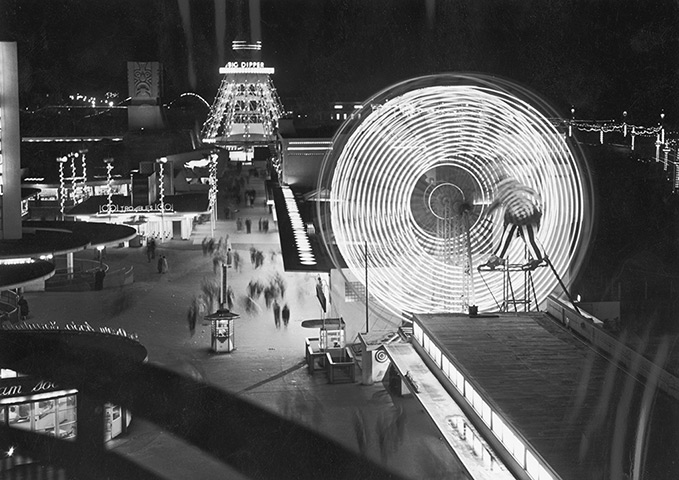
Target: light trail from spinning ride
<point>411,177</point>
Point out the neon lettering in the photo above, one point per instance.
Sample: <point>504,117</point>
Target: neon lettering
<point>42,385</point>
<point>10,391</point>
<point>158,207</point>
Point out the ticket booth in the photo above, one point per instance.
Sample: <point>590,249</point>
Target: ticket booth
<point>223,337</point>
<point>331,337</point>
<point>331,334</point>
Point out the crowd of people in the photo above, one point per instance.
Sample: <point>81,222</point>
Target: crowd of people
<point>246,224</point>
<point>272,290</point>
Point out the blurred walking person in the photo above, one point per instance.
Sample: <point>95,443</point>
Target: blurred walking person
<point>285,313</point>
<point>277,314</point>
<point>162,264</point>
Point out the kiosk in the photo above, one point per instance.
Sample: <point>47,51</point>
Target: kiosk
<point>328,351</point>
<point>331,334</point>
<point>375,362</point>
<point>223,337</point>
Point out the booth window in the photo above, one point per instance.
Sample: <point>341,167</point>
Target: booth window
<point>55,416</point>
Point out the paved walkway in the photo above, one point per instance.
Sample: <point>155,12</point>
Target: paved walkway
<point>266,367</point>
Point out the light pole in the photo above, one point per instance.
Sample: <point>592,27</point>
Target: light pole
<point>212,180</point>
<point>83,161</point>
<point>109,186</point>
<point>62,186</point>
<point>74,177</point>
<point>161,187</point>
<point>367,324</point>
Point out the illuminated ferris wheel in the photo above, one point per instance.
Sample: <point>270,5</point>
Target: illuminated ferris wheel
<point>410,178</point>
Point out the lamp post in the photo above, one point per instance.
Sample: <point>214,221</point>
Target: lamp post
<point>367,324</point>
<point>109,186</point>
<point>161,188</point>
<point>74,177</point>
<point>62,186</point>
<point>212,180</point>
<point>83,163</point>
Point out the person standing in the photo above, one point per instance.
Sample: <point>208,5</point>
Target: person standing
<point>160,264</point>
<point>99,279</point>
<point>276,314</point>
<point>23,307</point>
<point>248,225</point>
<point>285,313</point>
<point>151,249</point>
<point>163,265</point>
<point>236,261</point>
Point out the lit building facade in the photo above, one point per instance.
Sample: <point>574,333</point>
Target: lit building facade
<point>50,408</point>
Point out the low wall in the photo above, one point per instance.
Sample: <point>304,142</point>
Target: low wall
<point>119,277</point>
<point>84,281</point>
<point>9,311</point>
<point>591,329</point>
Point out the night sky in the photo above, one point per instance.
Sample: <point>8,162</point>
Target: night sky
<point>601,56</point>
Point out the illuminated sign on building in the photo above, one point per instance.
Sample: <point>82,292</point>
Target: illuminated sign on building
<point>246,67</point>
<point>166,207</point>
<point>25,386</point>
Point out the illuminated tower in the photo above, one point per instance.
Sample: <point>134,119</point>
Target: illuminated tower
<point>246,110</point>
<point>10,163</point>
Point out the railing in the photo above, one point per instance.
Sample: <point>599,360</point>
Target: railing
<point>590,328</point>
<point>119,277</point>
<point>81,278</point>
<point>9,310</point>
<point>247,437</point>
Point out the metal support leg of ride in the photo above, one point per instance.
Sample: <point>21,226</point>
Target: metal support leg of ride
<point>563,286</point>
<point>509,294</point>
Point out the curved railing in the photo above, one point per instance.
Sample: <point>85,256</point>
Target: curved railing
<point>9,309</point>
<point>248,438</point>
<point>82,276</point>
